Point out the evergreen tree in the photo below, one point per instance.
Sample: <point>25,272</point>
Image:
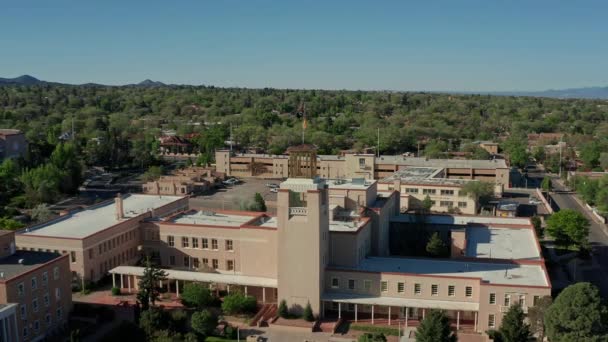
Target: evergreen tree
<point>307,315</point>
<point>513,327</point>
<point>435,327</point>
<point>283,311</point>
<point>435,246</point>
<point>148,285</point>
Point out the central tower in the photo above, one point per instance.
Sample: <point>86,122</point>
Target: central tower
<point>302,161</point>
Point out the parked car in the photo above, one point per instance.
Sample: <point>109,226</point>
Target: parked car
<point>274,190</point>
<point>231,181</point>
<point>272,185</point>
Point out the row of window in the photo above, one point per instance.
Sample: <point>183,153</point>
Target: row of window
<point>115,261</point>
<point>35,306</point>
<point>196,263</point>
<point>108,245</point>
<point>194,243</point>
<point>442,192</point>
<point>34,281</point>
<point>521,299</point>
<point>47,319</point>
<point>384,286</point>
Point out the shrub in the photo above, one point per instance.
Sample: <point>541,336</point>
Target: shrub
<point>307,315</point>
<point>372,337</point>
<point>375,329</point>
<point>238,303</point>
<point>230,332</point>
<point>283,311</point>
<point>115,291</point>
<point>204,322</point>
<point>196,295</point>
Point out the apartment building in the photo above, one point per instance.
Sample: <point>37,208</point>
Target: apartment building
<point>356,165</point>
<point>12,143</point>
<point>100,237</point>
<point>35,292</point>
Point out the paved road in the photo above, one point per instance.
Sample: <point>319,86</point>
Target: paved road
<point>598,237</point>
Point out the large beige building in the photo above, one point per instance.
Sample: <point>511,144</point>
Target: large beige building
<point>35,292</point>
<point>355,165</point>
<point>328,245</point>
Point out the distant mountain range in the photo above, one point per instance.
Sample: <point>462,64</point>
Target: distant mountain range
<point>573,93</point>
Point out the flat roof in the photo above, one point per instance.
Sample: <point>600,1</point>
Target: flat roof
<point>493,273</point>
<point>349,183</point>
<point>22,262</point>
<point>398,301</point>
<point>93,219</point>
<point>223,278</point>
<point>502,243</point>
<point>414,173</point>
<point>461,219</point>
<point>211,218</point>
<point>444,163</point>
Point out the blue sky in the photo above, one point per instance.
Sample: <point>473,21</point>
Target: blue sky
<point>400,45</point>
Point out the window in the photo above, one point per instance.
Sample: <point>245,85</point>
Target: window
<point>185,243</point>
<point>447,192</point>
<point>20,289</point>
<point>468,291</point>
<point>230,265</point>
<point>170,240</point>
<point>429,191</point>
<point>73,256</point>
<point>228,245</point>
<point>46,299</point>
<point>45,278</point>
<point>56,273</point>
<point>535,300</point>
<point>361,163</point>
<point>492,298</point>
<point>47,318</point>
<point>23,311</point>
<point>205,243</point>
<point>351,284</point>
<point>491,321</point>
<point>196,263</point>
<point>367,285</point>
<point>25,332</point>
<point>384,286</point>
<point>59,314</point>
<point>215,264</point>
<point>36,325</point>
<point>522,300</point>
<point>213,244</point>
<point>91,253</point>
<point>462,204</point>
<point>57,293</point>
<point>194,242</point>
<point>34,283</point>
<point>205,261</point>
<point>35,304</point>
<point>411,190</point>
<point>451,290</point>
<point>99,249</point>
<point>335,283</point>
<point>434,290</point>
<point>447,204</point>
<point>186,261</point>
<point>507,301</point>
<point>417,289</point>
<point>172,260</point>
<point>400,287</point>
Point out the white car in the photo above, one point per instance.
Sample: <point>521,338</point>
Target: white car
<point>274,190</point>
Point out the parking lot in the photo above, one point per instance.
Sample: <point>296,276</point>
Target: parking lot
<point>237,197</point>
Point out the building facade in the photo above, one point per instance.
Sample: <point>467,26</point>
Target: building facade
<point>12,143</point>
<point>35,292</point>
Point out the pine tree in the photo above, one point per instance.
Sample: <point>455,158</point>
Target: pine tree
<point>307,315</point>
<point>283,312</point>
<point>513,327</point>
<point>435,327</point>
<point>148,289</point>
<point>435,246</point>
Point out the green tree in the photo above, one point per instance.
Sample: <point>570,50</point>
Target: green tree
<point>427,204</point>
<point>9,224</point>
<point>546,184</point>
<point>538,226</point>
<point>435,327</point>
<point>148,285</point>
<point>577,315</point>
<point>307,315</point>
<point>204,322</point>
<point>569,228</point>
<point>41,213</point>
<point>283,310</point>
<point>152,321</point>
<point>196,295</point>
<point>258,203</point>
<point>153,173</point>
<point>65,158</point>
<point>480,191</point>
<point>536,316</point>
<point>513,328</point>
<point>238,303</point>
<point>372,337</point>
<point>604,160</point>
<point>435,246</point>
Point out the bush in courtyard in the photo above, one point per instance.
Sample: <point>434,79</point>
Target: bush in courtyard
<point>196,295</point>
<point>238,303</point>
<point>372,337</point>
<point>115,291</point>
<point>283,311</point>
<point>307,315</point>
<point>204,322</point>
<point>230,332</point>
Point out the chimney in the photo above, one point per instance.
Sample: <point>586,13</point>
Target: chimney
<point>120,214</point>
